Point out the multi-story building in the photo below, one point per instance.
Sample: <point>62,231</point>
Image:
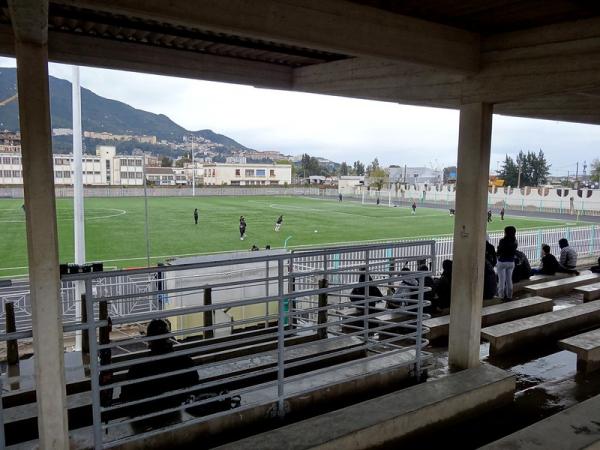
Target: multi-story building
<point>104,135</point>
<point>415,175</point>
<point>105,168</point>
<point>166,176</point>
<point>10,142</point>
<point>245,174</point>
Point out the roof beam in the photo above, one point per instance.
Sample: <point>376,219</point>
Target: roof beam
<point>381,80</point>
<point>112,54</point>
<point>329,25</point>
<point>30,20</point>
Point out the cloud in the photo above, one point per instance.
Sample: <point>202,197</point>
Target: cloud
<point>334,127</point>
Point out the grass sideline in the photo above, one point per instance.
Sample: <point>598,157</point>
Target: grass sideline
<point>115,226</point>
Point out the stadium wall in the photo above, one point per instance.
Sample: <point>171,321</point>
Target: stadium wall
<point>123,191</point>
<point>552,200</point>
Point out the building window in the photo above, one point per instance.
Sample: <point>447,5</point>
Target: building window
<point>124,175</point>
<point>138,175</point>
<point>272,173</point>
<point>249,172</point>
<point>16,174</point>
<point>260,172</point>
<point>238,172</point>
<point>16,161</point>
<point>5,160</point>
<point>7,173</point>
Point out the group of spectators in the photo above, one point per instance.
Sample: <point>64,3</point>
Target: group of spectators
<point>504,266</point>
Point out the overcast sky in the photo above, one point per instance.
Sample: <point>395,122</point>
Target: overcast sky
<point>333,127</point>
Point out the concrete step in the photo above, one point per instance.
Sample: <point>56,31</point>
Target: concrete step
<point>491,315</point>
<point>590,292</point>
<point>535,329</point>
<point>587,348</point>
<point>563,286</point>
<point>384,419</point>
<point>258,407</point>
<point>535,279</point>
<point>575,428</point>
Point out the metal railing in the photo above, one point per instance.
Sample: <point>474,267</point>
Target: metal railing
<point>262,333</point>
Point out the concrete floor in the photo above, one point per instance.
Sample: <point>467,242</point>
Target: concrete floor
<point>547,382</point>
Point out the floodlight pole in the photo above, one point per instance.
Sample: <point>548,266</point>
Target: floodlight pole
<point>193,170</point>
<point>146,232</point>
<point>78,208</point>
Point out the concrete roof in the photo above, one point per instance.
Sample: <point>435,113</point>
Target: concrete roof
<point>539,58</point>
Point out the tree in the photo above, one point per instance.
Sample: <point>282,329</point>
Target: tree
<point>166,162</point>
<point>377,178</point>
<point>183,160</point>
<point>343,169</point>
<point>533,167</point>
<point>595,174</point>
<point>359,168</point>
<point>310,166</point>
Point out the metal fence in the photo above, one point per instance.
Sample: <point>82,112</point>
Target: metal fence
<point>292,320</point>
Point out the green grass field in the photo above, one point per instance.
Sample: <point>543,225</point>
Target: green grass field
<point>115,226</point>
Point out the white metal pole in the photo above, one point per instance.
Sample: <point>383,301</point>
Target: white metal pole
<point>193,170</point>
<point>390,196</point>
<point>146,229</point>
<point>363,195</point>
<point>78,208</point>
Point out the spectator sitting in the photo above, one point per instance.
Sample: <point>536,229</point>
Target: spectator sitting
<point>490,282</point>
<point>443,285</point>
<point>254,248</point>
<point>596,269</point>
<point>522,269</point>
<point>358,293</point>
<point>157,386</point>
<point>568,258</point>
<point>548,264</point>
<point>406,290</point>
<point>428,283</point>
<point>490,253</point>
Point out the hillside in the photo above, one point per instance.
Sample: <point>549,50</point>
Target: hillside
<point>100,114</point>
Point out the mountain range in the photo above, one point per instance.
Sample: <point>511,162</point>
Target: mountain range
<point>99,114</point>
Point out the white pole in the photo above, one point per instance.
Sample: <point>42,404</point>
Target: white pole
<point>390,196</point>
<point>363,195</point>
<point>78,210</point>
<point>193,170</point>
<point>146,231</point>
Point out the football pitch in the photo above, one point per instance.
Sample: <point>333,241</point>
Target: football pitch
<point>115,234</point>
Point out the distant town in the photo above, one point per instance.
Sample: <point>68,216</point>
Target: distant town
<point>200,161</point>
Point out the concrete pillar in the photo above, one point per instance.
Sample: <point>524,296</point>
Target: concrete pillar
<point>42,242</point>
<point>470,222</point>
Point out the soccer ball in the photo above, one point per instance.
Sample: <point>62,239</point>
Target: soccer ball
<point>316,231</point>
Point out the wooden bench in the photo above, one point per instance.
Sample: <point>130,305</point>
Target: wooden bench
<point>590,292</point>
<point>531,330</point>
<point>587,348</point>
<point>381,420</point>
<point>491,315</point>
<point>562,286</point>
<point>575,428</point>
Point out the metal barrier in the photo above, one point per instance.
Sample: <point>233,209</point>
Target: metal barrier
<point>294,327</point>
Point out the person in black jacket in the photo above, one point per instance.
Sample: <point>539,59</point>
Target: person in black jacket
<point>490,253</point>
<point>506,262</point>
<point>358,293</point>
<point>161,385</point>
<point>522,267</point>
<point>443,285</point>
<point>595,269</point>
<point>548,264</point>
<point>490,283</point>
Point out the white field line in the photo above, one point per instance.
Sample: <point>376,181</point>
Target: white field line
<point>119,212</point>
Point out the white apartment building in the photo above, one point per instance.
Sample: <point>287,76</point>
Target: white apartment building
<point>166,176</point>
<point>105,168</point>
<point>217,174</point>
